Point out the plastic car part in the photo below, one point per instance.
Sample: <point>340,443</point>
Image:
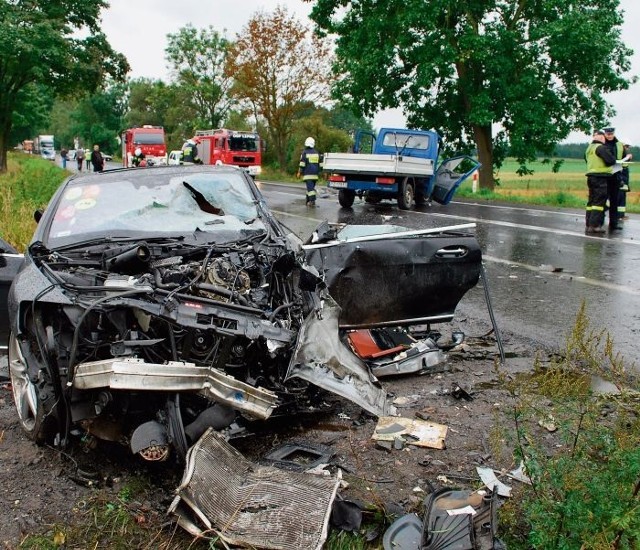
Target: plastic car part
<point>298,456</point>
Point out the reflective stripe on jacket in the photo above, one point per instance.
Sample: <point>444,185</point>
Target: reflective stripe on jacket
<point>310,164</point>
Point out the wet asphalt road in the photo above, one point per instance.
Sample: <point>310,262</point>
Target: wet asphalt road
<point>540,265</point>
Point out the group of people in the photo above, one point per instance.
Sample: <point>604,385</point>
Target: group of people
<point>607,180</point>
<point>93,158</point>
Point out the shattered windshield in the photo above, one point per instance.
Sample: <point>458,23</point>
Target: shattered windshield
<point>170,203</point>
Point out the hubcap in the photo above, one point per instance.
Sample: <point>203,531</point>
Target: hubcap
<point>24,391</point>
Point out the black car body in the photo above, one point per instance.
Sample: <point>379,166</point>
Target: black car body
<point>154,304</point>
<point>10,263</point>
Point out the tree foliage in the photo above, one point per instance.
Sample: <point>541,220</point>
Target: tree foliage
<point>278,66</point>
<point>197,58</point>
<point>533,70</point>
<point>40,44</point>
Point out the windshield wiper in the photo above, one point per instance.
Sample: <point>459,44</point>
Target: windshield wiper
<point>109,240</point>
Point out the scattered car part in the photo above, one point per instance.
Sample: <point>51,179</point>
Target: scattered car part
<point>248,504</point>
<point>298,456</point>
<point>412,430</point>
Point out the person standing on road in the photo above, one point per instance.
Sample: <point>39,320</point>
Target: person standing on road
<point>64,155</point>
<point>600,161</point>
<point>138,157</point>
<point>621,151</point>
<point>309,169</point>
<point>96,159</point>
<point>87,157</point>
<point>80,158</point>
<point>190,152</point>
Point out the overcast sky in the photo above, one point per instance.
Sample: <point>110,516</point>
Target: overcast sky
<point>138,29</point>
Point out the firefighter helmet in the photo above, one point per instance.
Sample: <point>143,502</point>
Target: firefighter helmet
<point>309,142</point>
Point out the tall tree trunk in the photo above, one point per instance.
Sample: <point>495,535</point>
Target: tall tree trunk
<point>5,130</point>
<point>484,143</point>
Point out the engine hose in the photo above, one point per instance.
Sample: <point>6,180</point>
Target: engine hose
<point>223,292</point>
<point>487,298</point>
<point>176,426</point>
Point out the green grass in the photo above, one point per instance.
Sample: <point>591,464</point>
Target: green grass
<point>27,185</point>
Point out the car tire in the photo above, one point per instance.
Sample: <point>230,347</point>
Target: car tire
<point>346,197</point>
<point>37,425</point>
<point>405,194</point>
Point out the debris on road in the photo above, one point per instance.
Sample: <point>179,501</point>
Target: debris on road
<point>248,504</point>
<point>412,431</point>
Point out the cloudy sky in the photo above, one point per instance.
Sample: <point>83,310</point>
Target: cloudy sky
<point>138,29</point>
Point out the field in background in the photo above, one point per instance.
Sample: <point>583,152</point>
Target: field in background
<point>566,188</point>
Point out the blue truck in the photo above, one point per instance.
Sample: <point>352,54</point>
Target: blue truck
<point>397,164</point>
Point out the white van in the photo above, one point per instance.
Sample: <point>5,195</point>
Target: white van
<point>175,158</point>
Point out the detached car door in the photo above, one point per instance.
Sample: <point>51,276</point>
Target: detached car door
<point>10,264</point>
<point>392,276</point>
<point>450,174</point>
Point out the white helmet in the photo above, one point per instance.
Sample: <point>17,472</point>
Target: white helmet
<point>309,142</point>
<point>138,151</point>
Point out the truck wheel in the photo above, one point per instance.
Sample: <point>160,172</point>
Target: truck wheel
<point>346,197</point>
<point>405,194</point>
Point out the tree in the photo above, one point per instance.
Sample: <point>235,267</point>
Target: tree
<point>197,59</point>
<point>98,118</point>
<point>168,105</point>
<point>278,65</point>
<point>534,71</point>
<point>40,44</point>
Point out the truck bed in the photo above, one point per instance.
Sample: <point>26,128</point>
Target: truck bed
<point>392,165</point>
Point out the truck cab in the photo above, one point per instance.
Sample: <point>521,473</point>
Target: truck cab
<point>397,164</point>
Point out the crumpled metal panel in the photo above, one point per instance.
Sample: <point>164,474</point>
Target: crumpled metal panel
<point>322,359</point>
<point>398,280</point>
<point>136,374</point>
<point>251,505</point>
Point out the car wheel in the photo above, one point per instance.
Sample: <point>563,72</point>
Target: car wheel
<point>346,197</point>
<point>38,426</point>
<point>405,194</point>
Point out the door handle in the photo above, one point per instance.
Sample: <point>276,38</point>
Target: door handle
<point>457,252</point>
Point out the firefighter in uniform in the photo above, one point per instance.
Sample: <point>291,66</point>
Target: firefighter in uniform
<point>309,169</point>
<point>190,152</point>
<point>600,161</point>
<point>138,157</point>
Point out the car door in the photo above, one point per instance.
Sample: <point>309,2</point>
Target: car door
<point>10,263</point>
<point>449,175</point>
<point>388,275</point>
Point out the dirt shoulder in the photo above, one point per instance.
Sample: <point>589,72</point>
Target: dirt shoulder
<point>42,487</point>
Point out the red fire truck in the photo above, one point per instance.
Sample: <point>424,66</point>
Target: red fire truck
<point>222,146</point>
<point>150,140</point>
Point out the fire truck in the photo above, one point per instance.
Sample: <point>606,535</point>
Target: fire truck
<point>150,139</point>
<point>238,148</point>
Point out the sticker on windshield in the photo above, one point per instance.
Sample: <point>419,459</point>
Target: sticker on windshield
<point>85,204</point>
<point>73,194</point>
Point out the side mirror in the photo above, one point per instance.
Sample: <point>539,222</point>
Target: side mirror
<point>37,215</point>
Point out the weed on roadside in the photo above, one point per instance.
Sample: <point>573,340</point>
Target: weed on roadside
<point>580,447</point>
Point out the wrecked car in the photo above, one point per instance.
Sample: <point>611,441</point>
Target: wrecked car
<point>153,305</point>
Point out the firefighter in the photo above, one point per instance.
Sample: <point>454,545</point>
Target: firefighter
<point>600,161</point>
<point>310,166</point>
<point>138,158</point>
<point>190,152</point>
